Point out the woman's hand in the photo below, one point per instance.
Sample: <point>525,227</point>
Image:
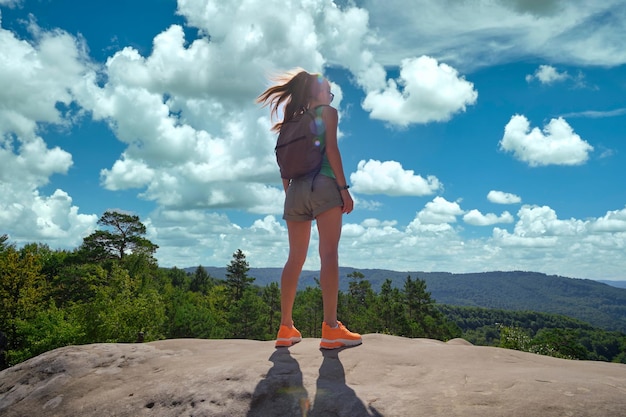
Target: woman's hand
<point>348,203</point>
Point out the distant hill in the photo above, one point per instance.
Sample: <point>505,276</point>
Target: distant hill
<point>618,284</point>
<point>594,302</point>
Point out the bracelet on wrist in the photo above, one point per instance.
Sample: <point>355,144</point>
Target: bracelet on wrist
<point>345,187</point>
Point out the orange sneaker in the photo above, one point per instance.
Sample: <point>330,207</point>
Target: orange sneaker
<point>333,338</point>
<point>287,336</point>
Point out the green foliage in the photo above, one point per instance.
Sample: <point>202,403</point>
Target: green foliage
<point>178,278</point>
<point>308,311</point>
<point>542,333</point>
<point>271,299</point>
<point>121,310</point>
<point>191,314</point>
<point>237,277</point>
<point>3,239</point>
<point>78,283</point>
<point>201,281</point>
<point>52,298</point>
<point>246,317</point>
<point>514,338</point>
<point>22,290</point>
<point>125,236</point>
<point>48,329</point>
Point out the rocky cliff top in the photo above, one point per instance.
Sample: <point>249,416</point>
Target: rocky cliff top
<point>386,376</point>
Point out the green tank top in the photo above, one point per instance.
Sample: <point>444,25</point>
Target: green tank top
<point>326,169</point>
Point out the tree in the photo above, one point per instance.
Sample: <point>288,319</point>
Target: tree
<point>361,299</point>
<point>418,299</point>
<point>3,240</point>
<point>22,292</point>
<point>308,310</point>
<point>390,309</point>
<point>125,236</point>
<point>201,281</point>
<point>248,317</point>
<point>78,283</point>
<point>122,309</point>
<point>271,298</point>
<point>237,278</point>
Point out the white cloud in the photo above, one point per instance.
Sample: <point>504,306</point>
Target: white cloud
<point>499,197</point>
<point>594,114</point>
<point>557,144</point>
<point>547,74</point>
<point>539,241</point>
<point>476,218</point>
<point>36,82</point>
<point>195,142</point>
<point>439,211</point>
<point>388,177</point>
<point>35,77</point>
<point>426,91</point>
<point>535,221</point>
<point>475,34</point>
<point>612,222</point>
<point>10,3</point>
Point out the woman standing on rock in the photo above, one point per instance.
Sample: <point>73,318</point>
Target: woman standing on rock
<point>322,196</point>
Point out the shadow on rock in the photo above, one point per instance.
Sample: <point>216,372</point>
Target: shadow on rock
<point>333,396</point>
<point>281,392</point>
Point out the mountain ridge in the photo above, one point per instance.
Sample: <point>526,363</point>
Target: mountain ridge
<point>594,302</point>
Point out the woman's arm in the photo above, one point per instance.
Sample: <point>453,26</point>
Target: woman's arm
<point>330,119</point>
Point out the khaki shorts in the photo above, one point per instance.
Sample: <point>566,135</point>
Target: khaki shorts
<point>303,202</point>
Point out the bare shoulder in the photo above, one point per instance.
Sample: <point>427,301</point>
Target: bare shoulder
<point>329,112</point>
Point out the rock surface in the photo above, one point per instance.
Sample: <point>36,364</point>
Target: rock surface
<point>386,376</point>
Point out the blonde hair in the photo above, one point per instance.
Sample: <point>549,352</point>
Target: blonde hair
<point>294,89</point>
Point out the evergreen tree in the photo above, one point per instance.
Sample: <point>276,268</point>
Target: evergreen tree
<point>3,242</point>
<point>308,311</point>
<point>237,278</point>
<point>271,298</point>
<point>201,281</point>
<point>390,309</point>
<point>361,301</point>
<point>248,317</point>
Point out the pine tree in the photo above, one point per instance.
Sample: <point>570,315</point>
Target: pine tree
<point>237,278</point>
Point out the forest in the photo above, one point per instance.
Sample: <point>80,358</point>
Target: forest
<point>111,289</point>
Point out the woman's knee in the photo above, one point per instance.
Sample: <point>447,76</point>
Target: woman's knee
<point>329,255</point>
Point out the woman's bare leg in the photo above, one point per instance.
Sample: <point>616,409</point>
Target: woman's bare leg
<point>329,229</point>
<point>299,236</point>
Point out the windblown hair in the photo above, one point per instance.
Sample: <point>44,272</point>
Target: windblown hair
<point>294,89</point>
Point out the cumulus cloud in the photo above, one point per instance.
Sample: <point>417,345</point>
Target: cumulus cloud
<point>439,211</point>
<point>388,177</point>
<point>539,227</point>
<point>426,91</point>
<point>36,81</point>
<point>500,197</point>
<point>557,144</point>
<point>613,222</point>
<point>195,138</point>
<point>194,142</point>
<point>547,74</point>
<point>36,77</point>
<point>476,218</point>
<point>536,221</point>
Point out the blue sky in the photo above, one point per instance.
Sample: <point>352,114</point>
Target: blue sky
<point>477,136</point>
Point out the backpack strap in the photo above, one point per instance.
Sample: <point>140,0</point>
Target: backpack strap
<point>316,114</point>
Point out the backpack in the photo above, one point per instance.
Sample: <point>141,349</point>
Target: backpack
<point>298,149</point>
